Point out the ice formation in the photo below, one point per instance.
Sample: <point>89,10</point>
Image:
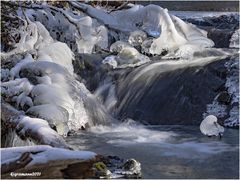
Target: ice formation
<point>81,32</point>
<point>136,38</point>
<point>58,53</point>
<point>117,46</point>
<point>91,28</point>
<point>234,41</point>
<point>57,96</point>
<point>127,57</point>
<point>210,127</point>
<point>111,61</point>
<point>169,31</point>
<point>43,83</point>
<point>57,116</point>
<point>45,87</point>
<point>14,72</point>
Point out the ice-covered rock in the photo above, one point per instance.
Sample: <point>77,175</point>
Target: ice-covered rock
<point>42,154</point>
<point>146,45</point>
<point>118,46</point>
<point>172,31</point>
<point>136,38</point>
<point>58,93</point>
<point>210,127</point>
<point>127,57</point>
<point>16,87</point>
<point>28,38</point>
<point>56,116</point>
<point>132,169</point>
<point>22,100</point>
<point>59,53</point>
<point>44,37</point>
<point>111,60</point>
<point>14,72</point>
<point>81,32</point>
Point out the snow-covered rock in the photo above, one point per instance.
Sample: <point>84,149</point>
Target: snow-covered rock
<point>42,154</point>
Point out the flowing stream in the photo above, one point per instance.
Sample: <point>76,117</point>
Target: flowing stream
<point>165,151</point>
<point>133,101</point>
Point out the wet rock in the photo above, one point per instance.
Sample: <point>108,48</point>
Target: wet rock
<point>92,168</point>
<point>90,68</point>
<point>223,21</point>
<point>221,38</point>
<point>224,97</point>
<point>170,94</point>
<point>132,169</point>
<point>230,22</point>
<point>118,168</point>
<point>220,29</point>
<point>101,170</point>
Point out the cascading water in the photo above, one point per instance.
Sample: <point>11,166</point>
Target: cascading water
<point>144,82</point>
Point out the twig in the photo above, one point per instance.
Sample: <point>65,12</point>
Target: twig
<point>45,7</point>
<point>119,7</point>
<point>85,10</point>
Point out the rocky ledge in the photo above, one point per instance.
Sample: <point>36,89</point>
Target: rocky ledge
<point>44,161</point>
